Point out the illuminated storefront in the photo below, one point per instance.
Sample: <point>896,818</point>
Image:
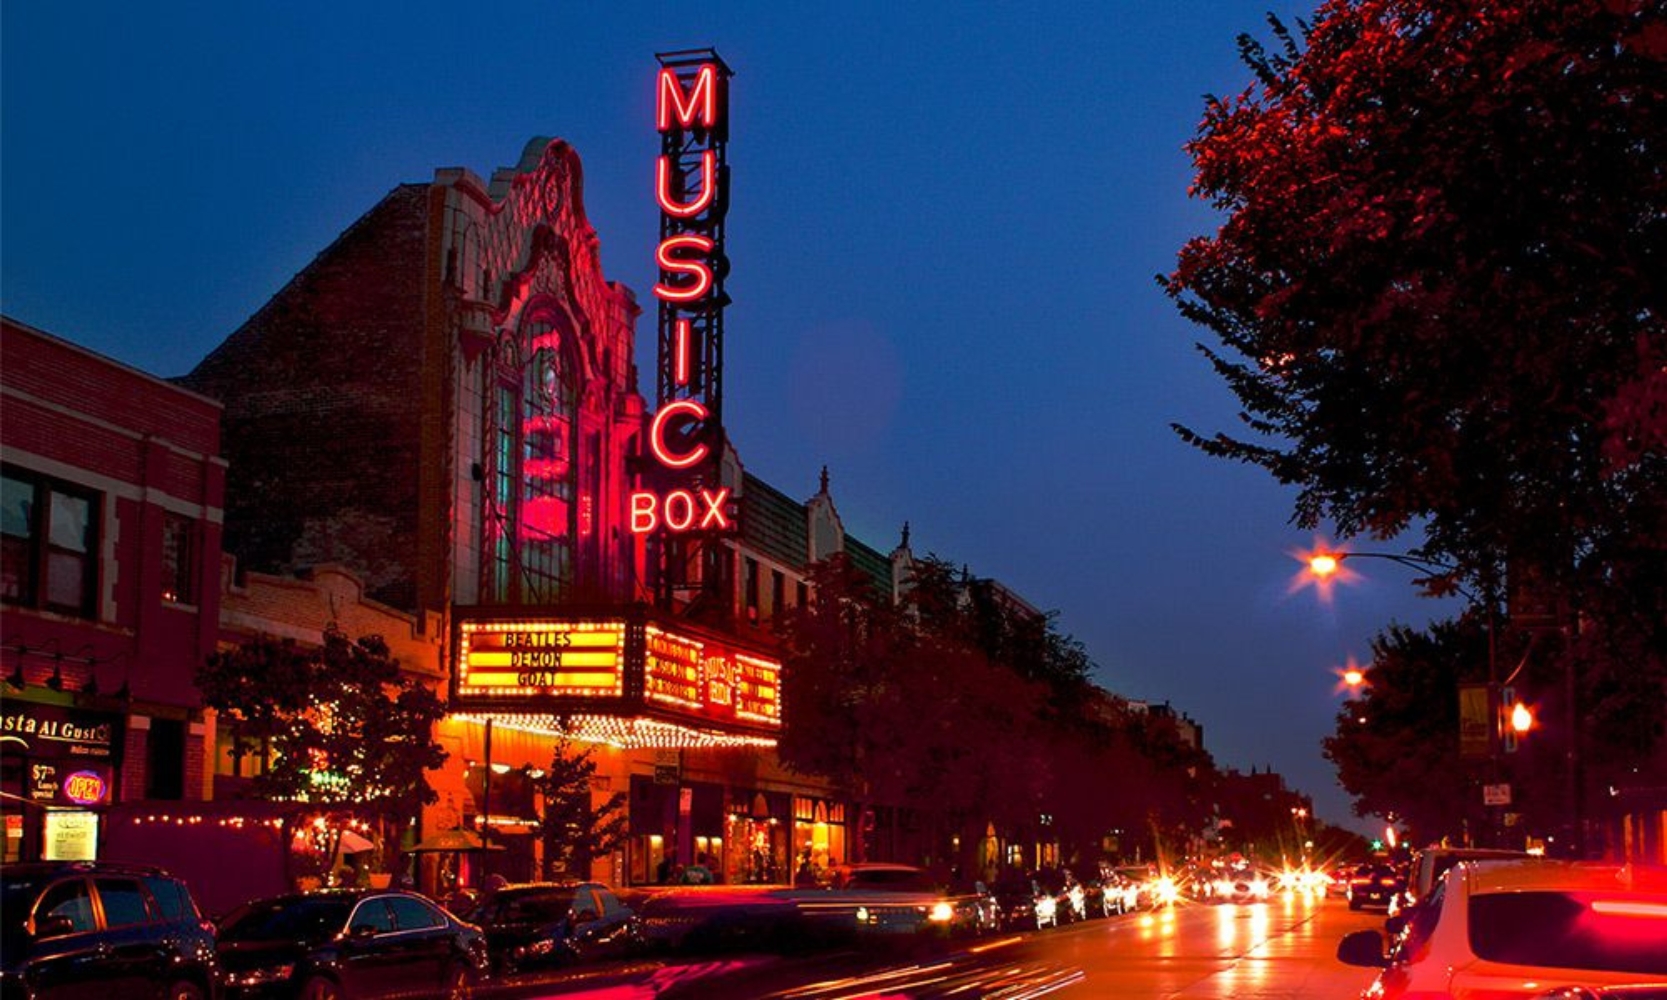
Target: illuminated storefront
<point>641,684</point>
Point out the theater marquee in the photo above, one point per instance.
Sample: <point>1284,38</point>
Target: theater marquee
<point>627,679</point>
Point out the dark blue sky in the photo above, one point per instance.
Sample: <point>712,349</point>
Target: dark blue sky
<point>946,221</point>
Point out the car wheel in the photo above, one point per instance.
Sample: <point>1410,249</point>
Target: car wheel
<point>184,990</point>
<point>321,988</point>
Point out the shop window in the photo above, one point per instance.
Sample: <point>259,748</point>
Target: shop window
<point>237,758</point>
<point>51,544</point>
<point>749,570</point>
<point>178,560</point>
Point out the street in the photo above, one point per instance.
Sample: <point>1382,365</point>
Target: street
<point>1283,950</point>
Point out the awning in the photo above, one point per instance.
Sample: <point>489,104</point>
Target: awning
<point>352,843</point>
<point>453,840</point>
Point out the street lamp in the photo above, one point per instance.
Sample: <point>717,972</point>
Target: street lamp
<point>1325,565</point>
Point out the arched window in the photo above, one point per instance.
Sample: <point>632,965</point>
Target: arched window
<point>532,474</point>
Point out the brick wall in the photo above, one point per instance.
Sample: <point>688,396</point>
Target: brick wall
<point>323,406</point>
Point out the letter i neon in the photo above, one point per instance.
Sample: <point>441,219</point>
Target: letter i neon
<point>681,362</point>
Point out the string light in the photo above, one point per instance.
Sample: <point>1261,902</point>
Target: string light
<point>619,733</point>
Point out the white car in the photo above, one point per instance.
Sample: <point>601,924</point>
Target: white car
<point>1502,929</point>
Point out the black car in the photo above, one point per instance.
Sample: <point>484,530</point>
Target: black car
<point>550,924</point>
<point>100,929</point>
<point>1375,885</point>
<point>1022,903</point>
<point>360,943</point>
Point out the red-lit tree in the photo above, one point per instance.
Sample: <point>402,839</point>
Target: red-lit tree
<point>1438,299</point>
<point>339,725</point>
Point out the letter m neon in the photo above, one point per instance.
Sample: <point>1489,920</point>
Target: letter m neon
<point>700,102</point>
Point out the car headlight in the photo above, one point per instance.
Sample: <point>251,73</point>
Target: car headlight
<point>941,913</point>
<point>260,977</point>
<point>862,914</point>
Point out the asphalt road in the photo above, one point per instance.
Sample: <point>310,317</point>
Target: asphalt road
<point>1281,950</point>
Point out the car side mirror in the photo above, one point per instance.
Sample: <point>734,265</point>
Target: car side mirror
<point>51,927</point>
<point>1363,948</point>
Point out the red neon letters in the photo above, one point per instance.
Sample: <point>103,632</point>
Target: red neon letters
<point>699,268</point>
<point>688,259</point>
<point>680,510</point>
<point>657,434</point>
<point>671,102</point>
<point>708,187</point>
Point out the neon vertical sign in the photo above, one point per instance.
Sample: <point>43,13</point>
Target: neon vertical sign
<point>691,188</point>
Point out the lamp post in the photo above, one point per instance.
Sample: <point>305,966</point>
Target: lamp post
<point>1325,565</point>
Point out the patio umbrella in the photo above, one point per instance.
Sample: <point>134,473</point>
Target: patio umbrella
<point>352,843</point>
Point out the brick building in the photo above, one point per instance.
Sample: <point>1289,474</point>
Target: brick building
<point>442,407</point>
<point>114,488</point>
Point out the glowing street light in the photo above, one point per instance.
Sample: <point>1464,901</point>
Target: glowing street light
<point>1522,718</point>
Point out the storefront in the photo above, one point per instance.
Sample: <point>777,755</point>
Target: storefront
<point>665,695</point>
<point>59,767</point>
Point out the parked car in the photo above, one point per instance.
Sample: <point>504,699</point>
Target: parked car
<point>977,911</point>
<point>339,943</point>
<point>101,929</point>
<point>1145,880</point>
<point>1338,885</point>
<point>543,924</point>
<point>1375,885</point>
<point>1023,904</point>
<point>1104,892</point>
<point>1523,929</point>
<point>1431,863</point>
<point>1119,893</point>
<point>1070,899</point>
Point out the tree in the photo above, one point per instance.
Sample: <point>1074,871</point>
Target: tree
<point>338,725</point>
<point>1437,293</point>
<point>576,829</point>
<point>897,705</point>
<point>1395,745</point>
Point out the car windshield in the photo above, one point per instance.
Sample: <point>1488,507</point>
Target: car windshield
<point>1571,931</point>
<point>530,908</point>
<point>306,919</point>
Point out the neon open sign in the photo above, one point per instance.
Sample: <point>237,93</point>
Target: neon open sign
<point>85,788</point>
<point>690,108</point>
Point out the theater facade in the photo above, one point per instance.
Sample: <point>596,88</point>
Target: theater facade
<point>444,404</point>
